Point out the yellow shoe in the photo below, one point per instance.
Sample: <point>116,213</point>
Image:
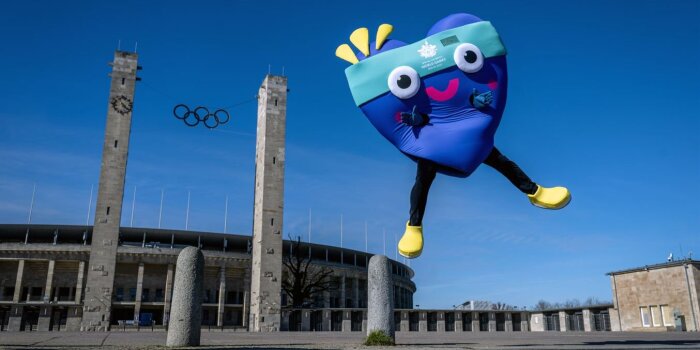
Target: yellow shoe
<point>550,198</point>
<point>411,243</point>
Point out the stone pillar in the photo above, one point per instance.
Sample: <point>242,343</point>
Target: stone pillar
<point>110,194</point>
<point>492,321</point>
<point>587,320</point>
<point>423,321</point>
<point>476,323</point>
<point>562,321</point>
<point>346,326</point>
<point>615,323</point>
<point>364,321</point>
<point>167,299</point>
<point>458,321</point>
<point>404,321</point>
<point>380,303</point>
<point>326,320</point>
<point>524,324</point>
<point>44,322</point>
<point>355,292</point>
<point>15,321</point>
<point>268,208</point>
<point>186,316</point>
<point>49,282</point>
<point>537,322</point>
<point>139,288</point>
<point>342,291</point>
<point>222,297</point>
<point>246,308</point>
<point>305,320</point>
<point>75,314</point>
<point>246,297</point>
<point>509,322</point>
<point>327,299</point>
<point>79,282</point>
<point>18,283</point>
<point>284,320</point>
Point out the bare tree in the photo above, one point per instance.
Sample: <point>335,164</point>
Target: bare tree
<point>570,303</point>
<point>591,301</point>
<point>502,306</point>
<point>542,305</point>
<point>302,280</point>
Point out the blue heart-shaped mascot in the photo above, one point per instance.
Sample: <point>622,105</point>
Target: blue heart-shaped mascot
<point>439,101</point>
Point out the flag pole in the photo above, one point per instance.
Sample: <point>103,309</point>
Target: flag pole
<point>341,231</point>
<point>160,211</point>
<point>384,240</point>
<point>87,219</point>
<point>133,205</point>
<point>187,213</point>
<point>226,214</point>
<point>365,236</point>
<point>31,205</point>
<point>396,251</point>
<point>29,220</point>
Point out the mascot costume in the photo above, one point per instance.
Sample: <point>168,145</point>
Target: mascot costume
<point>439,101</point>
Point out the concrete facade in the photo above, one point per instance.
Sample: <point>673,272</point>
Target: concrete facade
<point>661,297</point>
<point>406,320</point>
<point>105,236</point>
<point>266,277</point>
<point>593,318</point>
<point>147,270</point>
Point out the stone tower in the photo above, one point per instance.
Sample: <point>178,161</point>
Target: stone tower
<point>266,282</point>
<point>105,237</point>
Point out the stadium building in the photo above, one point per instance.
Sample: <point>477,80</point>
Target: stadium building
<point>43,272</point>
<point>93,278</point>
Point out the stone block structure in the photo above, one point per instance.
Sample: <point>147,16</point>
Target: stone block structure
<point>266,282</point>
<point>657,297</point>
<point>186,315</point>
<point>380,308</point>
<point>105,236</point>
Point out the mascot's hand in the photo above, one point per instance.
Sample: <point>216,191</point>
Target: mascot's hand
<point>412,118</point>
<point>481,100</point>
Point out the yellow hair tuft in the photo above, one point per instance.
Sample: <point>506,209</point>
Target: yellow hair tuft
<point>360,38</point>
<point>382,34</point>
<point>345,52</point>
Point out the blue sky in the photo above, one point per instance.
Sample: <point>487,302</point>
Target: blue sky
<point>603,99</point>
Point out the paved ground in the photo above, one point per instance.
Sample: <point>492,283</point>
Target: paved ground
<point>333,340</point>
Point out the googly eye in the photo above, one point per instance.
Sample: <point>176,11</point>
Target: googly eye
<point>404,82</point>
<point>468,58</point>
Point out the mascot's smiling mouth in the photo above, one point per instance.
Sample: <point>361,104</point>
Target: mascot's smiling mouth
<point>444,95</point>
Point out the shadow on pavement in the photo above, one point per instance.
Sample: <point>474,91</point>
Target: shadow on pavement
<point>615,343</point>
<point>645,342</point>
<point>154,347</point>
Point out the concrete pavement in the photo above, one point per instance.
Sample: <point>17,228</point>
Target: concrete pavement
<point>335,340</point>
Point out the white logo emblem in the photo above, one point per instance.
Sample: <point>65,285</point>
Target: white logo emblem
<point>427,50</point>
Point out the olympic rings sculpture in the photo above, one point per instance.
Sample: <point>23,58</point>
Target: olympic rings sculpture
<point>201,114</point>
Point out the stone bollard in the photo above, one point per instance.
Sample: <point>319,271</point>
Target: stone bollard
<point>380,301</point>
<point>185,324</point>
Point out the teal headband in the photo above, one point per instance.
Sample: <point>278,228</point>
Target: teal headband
<point>368,78</point>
